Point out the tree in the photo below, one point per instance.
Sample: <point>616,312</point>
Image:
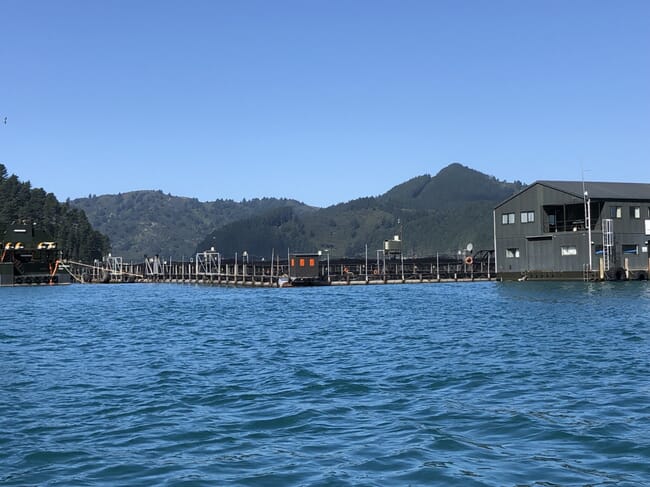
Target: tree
<point>68,226</point>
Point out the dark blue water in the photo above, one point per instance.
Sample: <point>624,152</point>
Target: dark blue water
<point>522,384</point>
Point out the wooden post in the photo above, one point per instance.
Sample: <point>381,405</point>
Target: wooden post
<point>601,268</point>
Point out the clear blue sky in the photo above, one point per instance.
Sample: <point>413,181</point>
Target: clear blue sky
<point>322,101</point>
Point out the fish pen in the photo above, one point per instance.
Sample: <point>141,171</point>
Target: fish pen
<point>212,268</point>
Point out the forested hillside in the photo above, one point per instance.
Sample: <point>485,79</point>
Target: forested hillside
<point>152,222</point>
<point>66,224</point>
<point>441,213</point>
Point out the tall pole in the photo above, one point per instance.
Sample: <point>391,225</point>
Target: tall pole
<point>494,233</point>
<point>328,266</point>
<point>272,259</point>
<point>366,262</point>
<point>587,202</point>
<point>589,230</point>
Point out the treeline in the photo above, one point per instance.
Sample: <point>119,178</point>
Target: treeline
<point>67,225</point>
<point>441,213</point>
<point>152,222</point>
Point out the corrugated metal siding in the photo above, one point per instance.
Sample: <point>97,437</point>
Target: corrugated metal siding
<point>546,255</point>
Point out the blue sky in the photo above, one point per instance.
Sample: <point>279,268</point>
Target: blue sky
<point>322,101</point>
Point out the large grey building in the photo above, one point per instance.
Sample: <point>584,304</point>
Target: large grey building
<point>574,230</point>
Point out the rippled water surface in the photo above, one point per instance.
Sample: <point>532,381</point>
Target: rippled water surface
<point>498,384</point>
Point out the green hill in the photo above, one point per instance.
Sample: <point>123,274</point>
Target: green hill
<point>453,185</point>
<point>151,222</point>
<point>440,213</point>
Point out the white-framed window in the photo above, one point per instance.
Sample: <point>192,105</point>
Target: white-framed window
<point>635,212</point>
<point>527,216</point>
<point>512,253</point>
<point>569,250</point>
<point>616,211</point>
<point>507,218</point>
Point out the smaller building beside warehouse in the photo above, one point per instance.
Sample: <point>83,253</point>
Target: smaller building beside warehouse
<point>304,270</point>
<point>574,230</point>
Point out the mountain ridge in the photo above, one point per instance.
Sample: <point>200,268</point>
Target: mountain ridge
<point>436,213</point>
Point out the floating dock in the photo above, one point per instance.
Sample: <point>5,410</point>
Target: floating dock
<point>210,269</point>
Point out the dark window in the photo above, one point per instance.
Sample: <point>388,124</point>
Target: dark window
<point>630,249</point>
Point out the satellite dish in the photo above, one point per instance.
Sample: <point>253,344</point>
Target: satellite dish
<point>469,247</point>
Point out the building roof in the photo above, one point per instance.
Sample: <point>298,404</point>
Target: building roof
<point>596,190</point>
<point>600,190</point>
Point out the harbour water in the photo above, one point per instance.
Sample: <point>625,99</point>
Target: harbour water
<point>485,384</point>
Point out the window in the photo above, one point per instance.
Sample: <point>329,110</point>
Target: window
<point>507,218</point>
<point>616,212</point>
<point>312,262</point>
<point>527,216</point>
<point>302,262</point>
<point>293,262</point>
<point>630,249</point>
<point>512,253</point>
<point>635,212</point>
<point>569,250</point>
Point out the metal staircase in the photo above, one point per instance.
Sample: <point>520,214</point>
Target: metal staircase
<point>608,242</point>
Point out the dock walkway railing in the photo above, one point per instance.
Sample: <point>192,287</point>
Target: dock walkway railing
<point>265,274</point>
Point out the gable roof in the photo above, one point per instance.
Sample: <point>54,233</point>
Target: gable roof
<point>596,190</point>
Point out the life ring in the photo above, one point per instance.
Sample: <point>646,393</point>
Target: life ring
<point>469,260</point>
<point>375,272</point>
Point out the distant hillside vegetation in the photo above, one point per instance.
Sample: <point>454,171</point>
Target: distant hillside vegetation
<point>67,225</point>
<point>453,185</point>
<point>151,222</point>
<point>441,213</point>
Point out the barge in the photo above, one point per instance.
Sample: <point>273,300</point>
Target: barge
<point>30,257</point>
